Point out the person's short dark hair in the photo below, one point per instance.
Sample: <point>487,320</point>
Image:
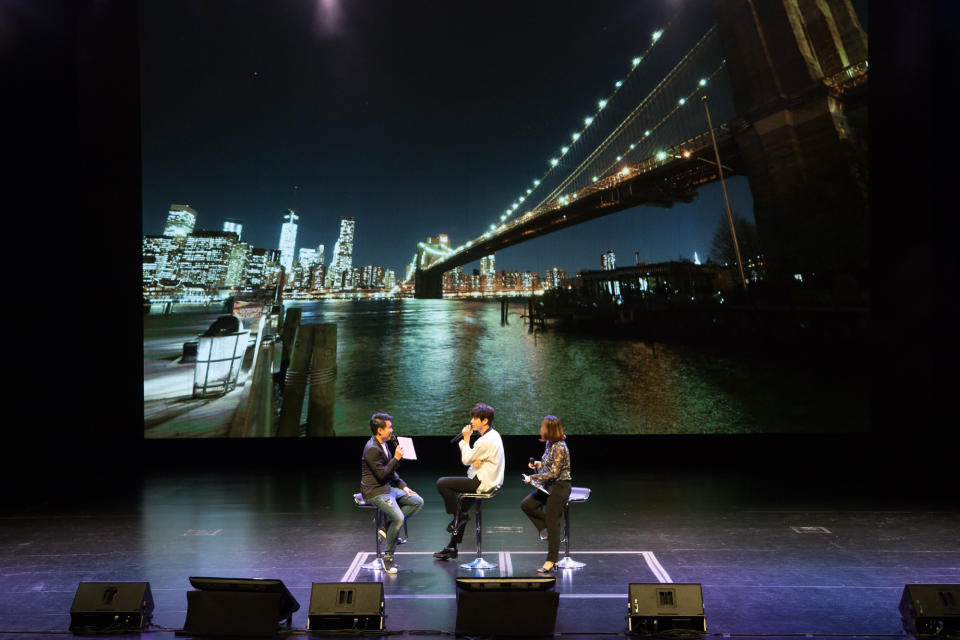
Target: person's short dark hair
<point>379,421</point>
<point>483,412</point>
<point>554,429</point>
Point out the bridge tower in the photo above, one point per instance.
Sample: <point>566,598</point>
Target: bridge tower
<point>805,156</point>
<point>427,284</point>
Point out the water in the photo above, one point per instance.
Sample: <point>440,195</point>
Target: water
<point>427,362</point>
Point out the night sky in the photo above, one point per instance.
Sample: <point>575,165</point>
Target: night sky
<point>416,118</point>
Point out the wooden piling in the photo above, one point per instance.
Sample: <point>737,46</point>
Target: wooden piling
<point>287,332</point>
<point>295,381</point>
<point>323,376</point>
<point>254,418</point>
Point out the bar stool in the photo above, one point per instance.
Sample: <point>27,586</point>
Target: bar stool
<point>377,563</point>
<point>577,494</point>
<point>479,563</point>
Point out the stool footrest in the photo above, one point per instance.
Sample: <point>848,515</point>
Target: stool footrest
<point>479,563</point>
<point>570,563</point>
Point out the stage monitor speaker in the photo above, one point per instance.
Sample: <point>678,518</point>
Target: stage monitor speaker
<point>657,606</point>
<point>248,607</point>
<point>507,606</point>
<point>106,607</point>
<point>931,609</point>
<point>341,606</point>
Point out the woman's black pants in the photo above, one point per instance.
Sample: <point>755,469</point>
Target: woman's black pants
<point>545,512</point>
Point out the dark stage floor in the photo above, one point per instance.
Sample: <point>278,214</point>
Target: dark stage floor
<point>772,556</point>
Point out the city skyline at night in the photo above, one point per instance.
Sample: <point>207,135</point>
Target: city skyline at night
<point>436,140</point>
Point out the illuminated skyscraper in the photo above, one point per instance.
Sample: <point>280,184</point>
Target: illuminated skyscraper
<point>181,220</point>
<point>237,264</point>
<point>608,260</point>
<point>340,273</point>
<point>161,257</point>
<point>233,225</point>
<point>488,265</point>
<point>488,272</point>
<point>554,278</point>
<point>206,257</point>
<point>288,239</point>
<point>307,257</point>
<point>254,274</point>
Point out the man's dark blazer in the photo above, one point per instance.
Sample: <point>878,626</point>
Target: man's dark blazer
<point>379,471</point>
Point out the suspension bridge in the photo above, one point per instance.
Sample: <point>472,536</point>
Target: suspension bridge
<point>766,91</point>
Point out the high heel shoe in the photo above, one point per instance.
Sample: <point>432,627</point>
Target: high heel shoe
<point>552,568</point>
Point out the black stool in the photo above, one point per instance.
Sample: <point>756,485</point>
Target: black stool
<point>377,563</point>
<point>479,563</point>
<point>577,494</point>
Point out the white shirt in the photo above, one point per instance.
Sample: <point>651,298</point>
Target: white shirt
<point>489,448</point>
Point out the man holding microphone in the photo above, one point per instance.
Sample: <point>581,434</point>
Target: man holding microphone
<point>485,467</point>
<point>381,485</point>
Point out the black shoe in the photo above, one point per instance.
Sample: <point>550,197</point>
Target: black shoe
<point>447,553</point>
<point>388,565</point>
<point>552,569</point>
<point>455,525</point>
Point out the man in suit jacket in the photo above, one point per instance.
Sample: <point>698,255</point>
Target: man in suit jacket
<point>381,485</point>
<point>485,466</point>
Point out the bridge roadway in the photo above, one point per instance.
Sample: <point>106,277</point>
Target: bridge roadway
<point>651,182</point>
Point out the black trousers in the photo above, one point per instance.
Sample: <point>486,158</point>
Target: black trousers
<point>545,512</point>
<point>450,489</point>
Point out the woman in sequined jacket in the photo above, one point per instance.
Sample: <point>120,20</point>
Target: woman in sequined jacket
<point>553,474</point>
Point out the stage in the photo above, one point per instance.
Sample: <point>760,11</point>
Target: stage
<point>798,550</point>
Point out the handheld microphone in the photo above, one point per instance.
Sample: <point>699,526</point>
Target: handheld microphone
<point>457,438</point>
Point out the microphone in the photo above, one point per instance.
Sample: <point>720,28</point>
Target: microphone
<point>457,438</point>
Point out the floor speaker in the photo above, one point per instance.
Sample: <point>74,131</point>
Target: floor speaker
<point>227,613</point>
<point>932,609</point>
<point>345,606</point>
<point>518,607</point>
<point>105,607</point>
<point>656,607</point>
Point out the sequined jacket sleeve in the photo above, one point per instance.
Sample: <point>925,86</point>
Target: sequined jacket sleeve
<point>555,464</point>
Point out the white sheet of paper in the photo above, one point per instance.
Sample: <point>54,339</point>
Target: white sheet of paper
<point>534,483</point>
<point>409,453</point>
